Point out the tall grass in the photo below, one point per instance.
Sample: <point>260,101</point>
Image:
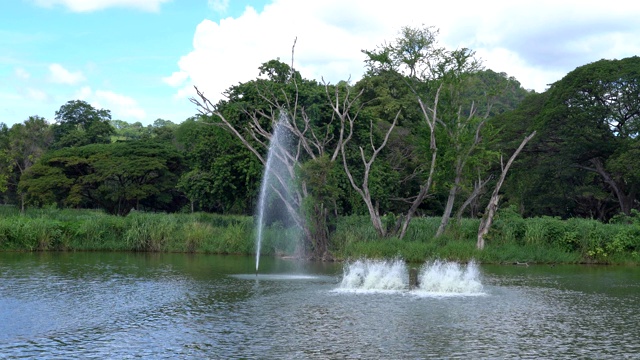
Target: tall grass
<point>84,230</point>
<point>18,233</point>
<point>511,239</point>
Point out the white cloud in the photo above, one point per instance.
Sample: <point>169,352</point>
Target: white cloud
<point>510,62</point>
<point>219,6</point>
<point>231,51</point>
<point>37,95</point>
<point>176,79</point>
<point>186,92</point>
<point>121,106</point>
<point>535,41</point>
<point>94,5</point>
<point>60,75</point>
<point>84,93</point>
<point>22,73</point>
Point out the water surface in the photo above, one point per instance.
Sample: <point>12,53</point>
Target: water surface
<point>122,305</point>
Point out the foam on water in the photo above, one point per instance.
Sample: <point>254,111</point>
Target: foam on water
<point>436,278</point>
<point>374,276</point>
<point>449,278</point>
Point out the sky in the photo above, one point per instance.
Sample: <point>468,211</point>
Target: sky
<point>141,58</point>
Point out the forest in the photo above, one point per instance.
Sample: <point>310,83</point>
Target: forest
<point>427,132</point>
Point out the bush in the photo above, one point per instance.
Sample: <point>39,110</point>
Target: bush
<point>508,227</point>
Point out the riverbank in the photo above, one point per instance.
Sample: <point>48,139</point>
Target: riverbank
<point>511,240</point>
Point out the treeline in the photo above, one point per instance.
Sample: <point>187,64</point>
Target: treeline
<point>426,132</point>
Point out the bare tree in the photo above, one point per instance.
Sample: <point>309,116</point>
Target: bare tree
<point>367,161</point>
<point>478,187</point>
<point>462,155</point>
<point>425,67</point>
<point>431,117</point>
<point>310,142</point>
<point>492,206</point>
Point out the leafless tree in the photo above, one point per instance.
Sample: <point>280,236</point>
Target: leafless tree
<point>310,142</point>
<point>492,206</point>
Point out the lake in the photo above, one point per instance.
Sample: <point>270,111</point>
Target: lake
<point>179,306</point>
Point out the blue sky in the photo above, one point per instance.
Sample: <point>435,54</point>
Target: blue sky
<point>141,58</point>
<point>114,57</point>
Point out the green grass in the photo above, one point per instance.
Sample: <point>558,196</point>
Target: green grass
<point>511,239</point>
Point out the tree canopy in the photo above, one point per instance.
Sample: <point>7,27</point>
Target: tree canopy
<point>583,161</point>
<point>425,132</point>
<point>116,177</point>
<point>78,123</point>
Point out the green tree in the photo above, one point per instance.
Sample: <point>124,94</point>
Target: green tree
<point>4,157</point>
<point>251,111</point>
<point>163,129</point>
<point>125,131</point>
<point>115,177</point>
<point>539,183</point>
<point>78,124</point>
<point>224,177</point>
<point>321,178</point>
<point>589,124</point>
<point>455,99</point>
<point>23,144</point>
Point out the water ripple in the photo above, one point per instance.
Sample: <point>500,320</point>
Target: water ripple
<point>166,311</point>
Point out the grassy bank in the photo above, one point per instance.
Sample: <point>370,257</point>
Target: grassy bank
<point>512,239</point>
<point>83,230</point>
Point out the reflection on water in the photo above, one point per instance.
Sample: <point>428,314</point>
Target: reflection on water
<point>276,277</point>
<point>93,305</point>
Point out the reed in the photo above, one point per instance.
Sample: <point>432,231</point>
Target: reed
<point>512,239</point>
<point>195,235</point>
<point>20,233</point>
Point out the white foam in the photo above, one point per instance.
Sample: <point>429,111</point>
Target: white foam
<point>375,275</point>
<point>449,278</point>
<point>436,278</point>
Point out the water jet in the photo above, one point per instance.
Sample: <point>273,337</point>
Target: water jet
<point>277,180</point>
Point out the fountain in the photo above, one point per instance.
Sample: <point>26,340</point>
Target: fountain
<point>374,275</point>
<point>433,278</point>
<point>276,179</point>
<point>440,277</point>
<point>436,278</point>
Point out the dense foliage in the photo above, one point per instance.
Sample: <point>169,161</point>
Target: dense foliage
<point>584,163</point>
<point>423,134</point>
<point>116,177</point>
